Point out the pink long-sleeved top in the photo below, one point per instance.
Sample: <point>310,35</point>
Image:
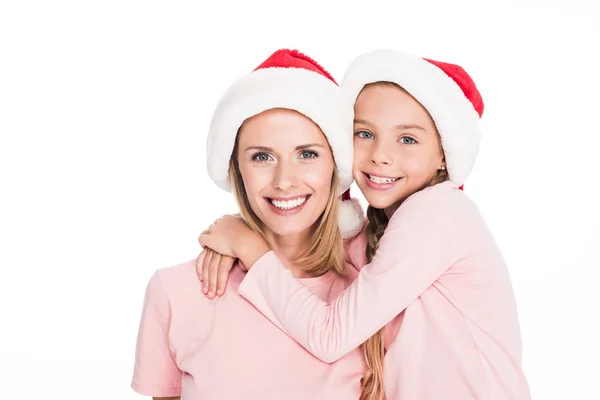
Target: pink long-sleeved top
<point>439,272</point>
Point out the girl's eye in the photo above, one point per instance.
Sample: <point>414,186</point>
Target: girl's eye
<point>407,140</point>
<point>364,135</point>
<point>308,154</point>
<point>260,157</point>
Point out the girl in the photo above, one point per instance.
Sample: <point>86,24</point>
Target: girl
<point>432,261</point>
<point>272,142</point>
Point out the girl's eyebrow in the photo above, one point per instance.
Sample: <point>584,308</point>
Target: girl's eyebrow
<point>398,127</point>
<point>361,121</point>
<point>409,126</point>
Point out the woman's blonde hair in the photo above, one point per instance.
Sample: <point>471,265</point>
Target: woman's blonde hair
<point>325,249</point>
<point>374,347</point>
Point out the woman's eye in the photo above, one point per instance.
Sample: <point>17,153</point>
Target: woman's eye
<point>308,154</point>
<point>407,140</point>
<point>260,157</point>
<point>364,135</point>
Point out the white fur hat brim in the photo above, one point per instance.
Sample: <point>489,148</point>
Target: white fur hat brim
<point>352,218</point>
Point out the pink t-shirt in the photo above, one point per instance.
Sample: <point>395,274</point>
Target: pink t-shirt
<point>440,275</point>
<point>197,348</point>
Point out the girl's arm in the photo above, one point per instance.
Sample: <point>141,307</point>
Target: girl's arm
<point>156,372</point>
<point>221,242</point>
<point>416,249</point>
<point>213,268</point>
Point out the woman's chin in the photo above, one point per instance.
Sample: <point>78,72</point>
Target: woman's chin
<point>291,227</point>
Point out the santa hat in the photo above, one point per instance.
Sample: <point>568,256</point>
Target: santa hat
<point>445,90</point>
<point>287,79</point>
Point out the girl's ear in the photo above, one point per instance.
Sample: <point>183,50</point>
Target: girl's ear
<point>442,161</point>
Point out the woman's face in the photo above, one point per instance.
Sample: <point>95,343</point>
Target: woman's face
<point>397,148</point>
<point>287,167</point>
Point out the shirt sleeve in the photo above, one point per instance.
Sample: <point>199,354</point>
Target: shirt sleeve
<point>417,248</point>
<point>155,372</point>
<point>354,251</point>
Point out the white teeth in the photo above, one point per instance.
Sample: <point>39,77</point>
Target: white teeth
<point>377,179</point>
<point>289,204</point>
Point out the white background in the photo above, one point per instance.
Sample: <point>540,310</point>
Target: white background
<point>104,109</point>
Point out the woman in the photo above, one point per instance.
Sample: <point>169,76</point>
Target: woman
<point>272,141</point>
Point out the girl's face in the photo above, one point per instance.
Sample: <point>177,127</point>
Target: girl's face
<point>397,148</point>
<point>287,167</point>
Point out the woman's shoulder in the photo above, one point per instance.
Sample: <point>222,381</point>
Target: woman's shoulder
<point>181,283</point>
<point>176,274</point>
<point>171,282</point>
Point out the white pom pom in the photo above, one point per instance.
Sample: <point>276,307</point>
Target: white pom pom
<point>352,218</point>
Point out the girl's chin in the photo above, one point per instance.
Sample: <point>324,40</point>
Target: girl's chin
<point>378,200</point>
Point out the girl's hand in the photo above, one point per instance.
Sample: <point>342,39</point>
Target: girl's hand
<point>231,236</point>
<point>213,271</point>
<point>226,234</point>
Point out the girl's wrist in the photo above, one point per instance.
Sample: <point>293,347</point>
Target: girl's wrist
<point>251,249</point>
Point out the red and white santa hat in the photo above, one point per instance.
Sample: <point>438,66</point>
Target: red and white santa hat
<point>445,90</point>
<point>287,79</point>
